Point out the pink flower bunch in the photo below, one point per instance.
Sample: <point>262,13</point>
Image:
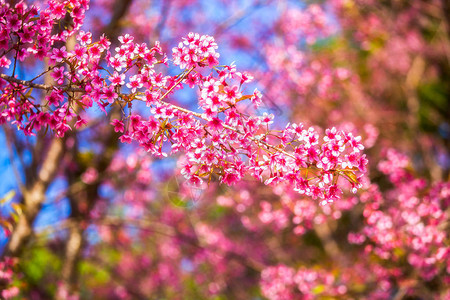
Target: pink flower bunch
<point>311,23</point>
<point>305,78</point>
<point>407,224</point>
<point>216,140</point>
<point>395,166</point>
<point>196,49</point>
<point>222,140</point>
<point>277,283</point>
<point>288,211</point>
<point>31,29</point>
<point>8,291</point>
<point>282,282</point>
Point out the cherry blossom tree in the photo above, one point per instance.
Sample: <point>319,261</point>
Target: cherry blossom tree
<point>256,185</point>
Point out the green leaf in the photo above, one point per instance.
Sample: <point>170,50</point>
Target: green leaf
<point>318,289</point>
<point>100,276</point>
<point>351,176</point>
<point>177,201</point>
<point>28,94</point>
<point>6,198</point>
<point>39,263</point>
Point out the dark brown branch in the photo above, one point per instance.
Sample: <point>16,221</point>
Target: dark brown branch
<point>82,201</point>
<point>446,13</point>
<point>120,9</point>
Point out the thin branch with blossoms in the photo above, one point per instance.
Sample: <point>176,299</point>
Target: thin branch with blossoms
<point>214,141</point>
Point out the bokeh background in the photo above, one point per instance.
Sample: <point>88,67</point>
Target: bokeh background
<point>380,69</point>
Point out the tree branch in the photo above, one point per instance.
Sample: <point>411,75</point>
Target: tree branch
<point>34,196</point>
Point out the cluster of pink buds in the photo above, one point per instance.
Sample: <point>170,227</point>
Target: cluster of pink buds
<point>409,223</point>
<point>284,283</point>
<point>7,291</point>
<point>196,50</point>
<point>223,140</point>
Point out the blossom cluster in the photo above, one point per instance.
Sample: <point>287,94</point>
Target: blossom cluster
<point>408,224</point>
<point>308,24</point>
<point>196,49</point>
<point>26,32</point>
<point>7,290</point>
<point>224,141</point>
<point>399,247</point>
<point>221,140</point>
<point>30,30</point>
<point>282,282</point>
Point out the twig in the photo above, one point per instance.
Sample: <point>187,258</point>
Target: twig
<point>39,86</point>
